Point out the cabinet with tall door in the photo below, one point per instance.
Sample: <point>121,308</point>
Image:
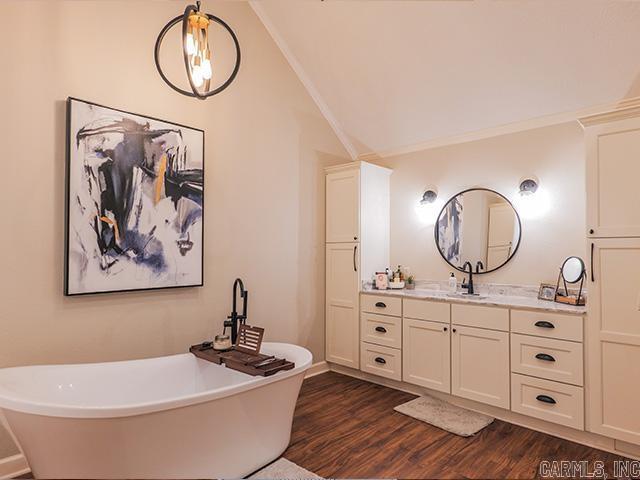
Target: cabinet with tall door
<point>357,244</point>
<point>613,232</point>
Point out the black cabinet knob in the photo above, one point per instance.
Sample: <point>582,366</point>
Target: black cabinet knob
<point>454,330</point>
<point>380,360</point>
<point>381,305</point>
<point>355,238</point>
<point>445,329</point>
<point>381,329</point>
<point>591,231</point>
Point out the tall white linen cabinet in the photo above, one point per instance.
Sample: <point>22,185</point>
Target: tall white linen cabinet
<point>357,245</point>
<point>613,234</point>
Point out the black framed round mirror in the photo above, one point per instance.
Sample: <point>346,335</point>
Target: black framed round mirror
<point>478,227</point>
<point>573,269</point>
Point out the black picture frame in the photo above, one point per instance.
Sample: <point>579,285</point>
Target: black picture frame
<point>68,134</point>
<point>437,233</point>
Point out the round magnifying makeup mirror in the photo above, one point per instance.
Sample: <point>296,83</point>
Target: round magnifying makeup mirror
<point>573,269</point>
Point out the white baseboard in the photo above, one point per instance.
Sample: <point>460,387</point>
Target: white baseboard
<point>317,369</point>
<point>13,466</point>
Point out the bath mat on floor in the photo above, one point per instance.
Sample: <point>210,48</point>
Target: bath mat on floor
<point>283,469</point>
<point>444,415</point>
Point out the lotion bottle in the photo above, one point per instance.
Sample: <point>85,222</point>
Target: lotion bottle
<point>453,283</point>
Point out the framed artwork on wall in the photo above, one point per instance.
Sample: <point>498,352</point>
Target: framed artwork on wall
<point>134,215</point>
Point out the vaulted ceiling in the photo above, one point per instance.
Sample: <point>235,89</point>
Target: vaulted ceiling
<point>394,75</point>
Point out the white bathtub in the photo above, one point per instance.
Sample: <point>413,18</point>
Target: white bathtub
<point>166,417</point>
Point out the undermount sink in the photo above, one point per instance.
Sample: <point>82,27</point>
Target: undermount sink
<point>472,296</point>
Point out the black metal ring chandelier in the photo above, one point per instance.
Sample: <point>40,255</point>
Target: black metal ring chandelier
<point>196,52</point>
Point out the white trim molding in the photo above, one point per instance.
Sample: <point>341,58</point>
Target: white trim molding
<point>587,116</point>
<point>317,369</point>
<point>628,108</point>
<point>13,466</point>
<point>304,78</point>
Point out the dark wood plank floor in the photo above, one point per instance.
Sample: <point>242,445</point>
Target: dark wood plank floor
<point>346,428</point>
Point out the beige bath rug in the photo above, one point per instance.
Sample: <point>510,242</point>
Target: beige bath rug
<point>444,415</point>
<point>283,469</point>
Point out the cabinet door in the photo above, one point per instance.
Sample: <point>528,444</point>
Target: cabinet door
<point>613,339</point>
<point>343,206</point>
<point>426,354</point>
<point>480,365</point>
<point>613,169</point>
<point>342,287</point>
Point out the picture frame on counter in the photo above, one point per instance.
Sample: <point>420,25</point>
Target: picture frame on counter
<point>382,281</point>
<point>547,292</point>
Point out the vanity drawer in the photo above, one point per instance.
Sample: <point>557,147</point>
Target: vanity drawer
<point>381,304</point>
<point>547,400</point>
<point>382,361</point>
<point>381,330</point>
<point>482,317</point>
<point>557,360</point>
<point>551,325</point>
<point>426,310</point>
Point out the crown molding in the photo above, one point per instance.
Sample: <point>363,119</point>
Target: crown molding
<point>303,77</point>
<point>587,116</point>
<point>622,110</point>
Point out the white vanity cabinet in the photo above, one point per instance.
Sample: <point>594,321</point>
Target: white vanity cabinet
<point>480,365</point>
<point>426,344</point>
<point>613,169</point>
<point>613,225</point>
<point>357,243</point>
<point>614,339</point>
<point>342,312</point>
<point>547,365</point>
<point>480,354</point>
<point>528,361</point>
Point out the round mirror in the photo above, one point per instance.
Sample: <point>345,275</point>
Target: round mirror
<point>573,269</point>
<point>478,228</point>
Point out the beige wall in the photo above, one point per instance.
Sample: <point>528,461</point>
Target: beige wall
<point>266,146</point>
<point>554,154</point>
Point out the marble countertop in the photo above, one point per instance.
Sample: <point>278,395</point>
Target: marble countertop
<point>495,300</point>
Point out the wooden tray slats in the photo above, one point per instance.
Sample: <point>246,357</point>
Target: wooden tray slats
<point>243,362</point>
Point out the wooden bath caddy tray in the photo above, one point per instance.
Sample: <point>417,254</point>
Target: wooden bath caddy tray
<point>244,357</point>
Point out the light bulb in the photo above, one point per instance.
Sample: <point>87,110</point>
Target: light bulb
<point>196,76</point>
<point>206,68</point>
<point>191,44</point>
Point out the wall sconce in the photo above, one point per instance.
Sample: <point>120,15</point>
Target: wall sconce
<point>528,186</point>
<point>196,52</point>
<point>428,207</point>
<point>532,200</point>
<point>428,197</point>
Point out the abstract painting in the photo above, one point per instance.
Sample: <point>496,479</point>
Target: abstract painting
<point>134,202</point>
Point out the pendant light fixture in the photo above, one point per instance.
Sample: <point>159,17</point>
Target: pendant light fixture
<point>197,52</point>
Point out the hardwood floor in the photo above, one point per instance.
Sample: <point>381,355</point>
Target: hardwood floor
<point>347,428</point>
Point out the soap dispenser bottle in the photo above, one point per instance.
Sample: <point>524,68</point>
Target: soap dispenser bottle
<point>453,283</point>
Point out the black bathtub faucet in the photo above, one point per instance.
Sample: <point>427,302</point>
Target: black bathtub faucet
<point>234,320</point>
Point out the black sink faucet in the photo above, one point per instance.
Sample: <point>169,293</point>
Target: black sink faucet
<point>234,320</point>
<point>468,286</point>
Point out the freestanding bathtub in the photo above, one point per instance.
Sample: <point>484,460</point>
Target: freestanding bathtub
<point>168,417</point>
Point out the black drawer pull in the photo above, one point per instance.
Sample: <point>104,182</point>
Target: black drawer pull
<point>381,305</point>
<point>544,324</point>
<point>546,357</point>
<point>381,329</point>
<point>546,399</point>
<point>383,361</point>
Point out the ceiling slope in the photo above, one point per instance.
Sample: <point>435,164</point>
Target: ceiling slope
<point>395,76</point>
